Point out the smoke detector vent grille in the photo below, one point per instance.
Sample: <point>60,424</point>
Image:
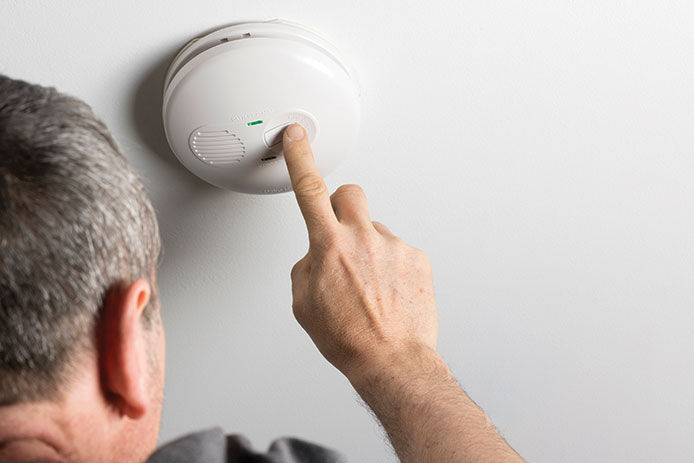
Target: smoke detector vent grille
<point>217,147</point>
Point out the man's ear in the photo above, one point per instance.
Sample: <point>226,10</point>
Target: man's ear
<point>123,350</point>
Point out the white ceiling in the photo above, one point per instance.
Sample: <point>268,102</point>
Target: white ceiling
<point>540,152</point>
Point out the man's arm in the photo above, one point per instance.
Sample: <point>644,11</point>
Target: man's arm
<point>366,299</point>
<point>426,414</point>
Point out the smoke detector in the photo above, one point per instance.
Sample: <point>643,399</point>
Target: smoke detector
<point>229,95</point>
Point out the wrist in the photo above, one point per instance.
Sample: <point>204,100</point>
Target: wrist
<point>405,363</point>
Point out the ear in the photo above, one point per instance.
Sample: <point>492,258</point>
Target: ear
<point>123,349</point>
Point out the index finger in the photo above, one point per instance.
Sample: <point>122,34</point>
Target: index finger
<point>307,182</point>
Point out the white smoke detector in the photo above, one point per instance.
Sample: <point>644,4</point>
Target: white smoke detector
<point>229,95</point>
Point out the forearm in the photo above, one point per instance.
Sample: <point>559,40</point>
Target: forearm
<point>426,414</point>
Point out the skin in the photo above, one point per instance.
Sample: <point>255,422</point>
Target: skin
<point>111,409</point>
<point>364,297</point>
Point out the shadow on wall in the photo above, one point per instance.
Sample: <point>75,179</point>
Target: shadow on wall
<point>181,199</point>
<point>146,110</point>
<point>148,99</point>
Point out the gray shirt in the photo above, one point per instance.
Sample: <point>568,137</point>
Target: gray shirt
<point>212,446</point>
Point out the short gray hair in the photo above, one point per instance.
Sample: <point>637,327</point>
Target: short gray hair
<point>75,221</point>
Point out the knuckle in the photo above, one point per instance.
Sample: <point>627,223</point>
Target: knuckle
<point>300,267</point>
<point>295,270</point>
<point>369,237</point>
<point>421,260</point>
<point>370,243</point>
<point>345,193</point>
<point>349,188</point>
<point>416,258</point>
<point>297,311</point>
<point>400,244</point>
<point>310,185</point>
<point>420,254</point>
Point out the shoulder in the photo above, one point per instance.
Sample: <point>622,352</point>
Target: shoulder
<point>212,446</point>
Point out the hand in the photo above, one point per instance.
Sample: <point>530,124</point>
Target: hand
<point>360,292</point>
<point>367,301</point>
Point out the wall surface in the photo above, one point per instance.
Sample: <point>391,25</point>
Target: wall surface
<point>541,152</point>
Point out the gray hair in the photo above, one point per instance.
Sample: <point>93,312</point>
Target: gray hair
<point>75,221</point>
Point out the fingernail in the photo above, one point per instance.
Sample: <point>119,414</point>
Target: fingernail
<point>295,132</point>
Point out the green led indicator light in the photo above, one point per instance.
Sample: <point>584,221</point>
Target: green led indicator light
<point>255,122</point>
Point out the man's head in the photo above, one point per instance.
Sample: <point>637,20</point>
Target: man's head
<point>81,342</point>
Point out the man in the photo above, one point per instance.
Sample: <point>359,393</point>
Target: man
<point>81,339</point>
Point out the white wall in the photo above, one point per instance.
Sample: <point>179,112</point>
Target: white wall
<point>541,152</point>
